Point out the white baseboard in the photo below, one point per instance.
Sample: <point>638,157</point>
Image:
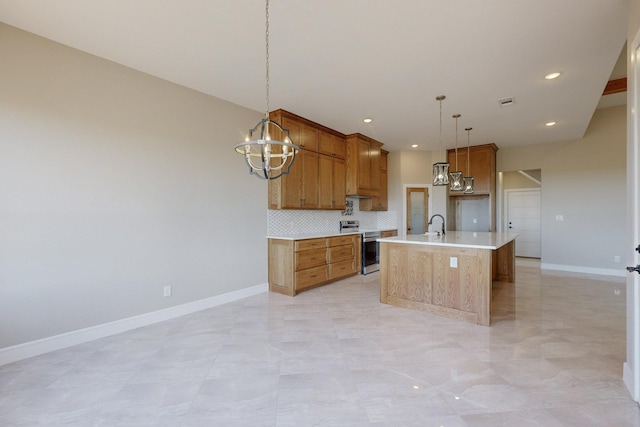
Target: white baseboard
<point>629,381</point>
<point>57,342</point>
<point>586,270</point>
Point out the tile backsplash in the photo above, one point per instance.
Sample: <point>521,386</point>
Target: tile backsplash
<point>283,222</point>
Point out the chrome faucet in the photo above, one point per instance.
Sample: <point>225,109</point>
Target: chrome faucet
<point>431,222</point>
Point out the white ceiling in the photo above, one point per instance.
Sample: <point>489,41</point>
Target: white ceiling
<point>339,61</point>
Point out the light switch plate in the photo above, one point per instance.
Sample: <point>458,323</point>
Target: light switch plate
<point>453,262</point>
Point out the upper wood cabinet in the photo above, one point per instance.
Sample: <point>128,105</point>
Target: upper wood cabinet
<point>483,167</point>
<point>299,188</point>
<point>379,201</point>
<point>301,134</point>
<point>331,145</point>
<point>363,165</point>
<point>317,177</point>
<point>331,190</point>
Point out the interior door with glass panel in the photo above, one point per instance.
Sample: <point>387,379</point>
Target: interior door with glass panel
<point>417,210</point>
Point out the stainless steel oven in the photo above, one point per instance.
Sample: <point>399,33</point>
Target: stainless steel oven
<point>370,251</point>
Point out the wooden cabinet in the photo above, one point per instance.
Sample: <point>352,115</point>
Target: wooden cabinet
<point>379,201</point>
<point>331,145</point>
<point>297,265</point>
<point>303,135</point>
<point>388,233</point>
<point>331,190</point>
<point>299,188</point>
<point>483,167</point>
<point>363,165</point>
<point>317,179</point>
<point>480,207</point>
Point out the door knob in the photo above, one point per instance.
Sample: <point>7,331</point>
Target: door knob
<point>632,269</point>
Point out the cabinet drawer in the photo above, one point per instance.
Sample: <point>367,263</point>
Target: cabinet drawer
<point>311,277</point>
<point>389,233</point>
<point>341,269</point>
<point>341,253</point>
<point>343,240</point>
<point>311,258</point>
<point>303,245</point>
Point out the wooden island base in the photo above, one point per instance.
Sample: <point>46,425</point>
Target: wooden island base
<point>453,282</point>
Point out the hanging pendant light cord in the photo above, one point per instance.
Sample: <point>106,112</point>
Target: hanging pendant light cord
<point>266,36</point>
<point>468,152</point>
<point>456,116</point>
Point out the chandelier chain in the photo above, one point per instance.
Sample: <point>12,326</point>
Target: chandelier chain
<point>267,55</point>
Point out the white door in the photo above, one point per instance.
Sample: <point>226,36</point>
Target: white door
<point>523,217</point>
<point>632,364</point>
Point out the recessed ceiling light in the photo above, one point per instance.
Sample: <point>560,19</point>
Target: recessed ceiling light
<point>414,145</point>
<point>550,124</point>
<point>552,76</point>
<point>367,120</point>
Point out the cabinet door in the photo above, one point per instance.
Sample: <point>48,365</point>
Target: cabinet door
<point>325,178</point>
<point>309,138</point>
<point>481,166</point>
<point>290,185</point>
<point>339,183</point>
<point>364,165</point>
<point>309,179</point>
<point>326,143</point>
<point>374,168</point>
<point>382,202</point>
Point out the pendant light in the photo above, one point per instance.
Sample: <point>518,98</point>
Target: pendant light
<point>455,184</point>
<point>267,158</point>
<point>468,180</point>
<point>440,169</point>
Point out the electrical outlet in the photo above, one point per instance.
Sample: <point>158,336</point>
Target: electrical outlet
<point>616,292</point>
<point>616,258</point>
<point>453,262</point>
<point>167,291</point>
<point>475,220</point>
<point>560,217</point>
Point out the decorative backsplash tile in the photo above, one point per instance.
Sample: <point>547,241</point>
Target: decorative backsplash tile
<point>284,222</point>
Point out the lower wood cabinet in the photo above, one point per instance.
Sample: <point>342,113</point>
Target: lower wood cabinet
<point>296,265</point>
<point>388,233</point>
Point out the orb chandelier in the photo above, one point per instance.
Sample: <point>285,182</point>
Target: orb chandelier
<point>267,158</point>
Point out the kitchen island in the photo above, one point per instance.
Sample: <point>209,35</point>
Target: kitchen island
<point>449,275</point>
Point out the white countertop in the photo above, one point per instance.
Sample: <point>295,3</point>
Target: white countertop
<point>320,234</point>
<point>315,235</point>
<point>461,239</point>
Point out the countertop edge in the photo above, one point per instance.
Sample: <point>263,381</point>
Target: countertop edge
<point>507,238</point>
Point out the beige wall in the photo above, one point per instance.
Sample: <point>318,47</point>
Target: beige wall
<point>114,184</point>
<point>410,168</point>
<point>583,180</point>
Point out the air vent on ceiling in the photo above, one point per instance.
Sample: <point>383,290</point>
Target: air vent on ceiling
<point>506,102</point>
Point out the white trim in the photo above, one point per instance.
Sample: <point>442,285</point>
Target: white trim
<point>631,370</point>
<point>529,177</point>
<point>57,342</point>
<point>582,269</point>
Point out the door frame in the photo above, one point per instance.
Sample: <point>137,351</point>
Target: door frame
<point>405,187</point>
<point>631,367</point>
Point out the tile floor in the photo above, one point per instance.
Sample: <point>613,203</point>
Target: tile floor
<point>335,356</point>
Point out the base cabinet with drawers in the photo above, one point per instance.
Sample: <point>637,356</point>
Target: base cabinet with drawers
<point>297,265</point>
